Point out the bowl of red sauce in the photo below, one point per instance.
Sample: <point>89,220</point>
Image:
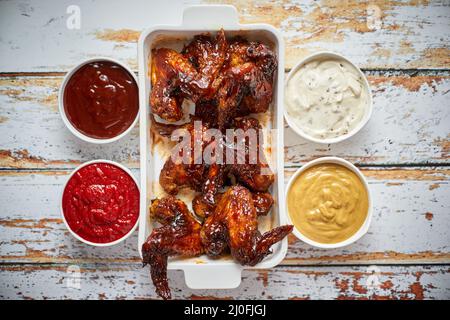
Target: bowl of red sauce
<point>99,100</point>
<point>100,203</point>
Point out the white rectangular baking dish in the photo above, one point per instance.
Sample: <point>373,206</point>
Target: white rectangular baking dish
<point>202,272</point>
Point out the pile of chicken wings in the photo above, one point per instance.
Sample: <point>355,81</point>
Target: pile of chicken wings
<point>227,80</point>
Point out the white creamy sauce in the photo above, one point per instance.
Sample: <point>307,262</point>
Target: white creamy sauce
<point>326,98</point>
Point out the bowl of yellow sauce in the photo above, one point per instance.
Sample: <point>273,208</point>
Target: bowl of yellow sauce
<point>329,203</point>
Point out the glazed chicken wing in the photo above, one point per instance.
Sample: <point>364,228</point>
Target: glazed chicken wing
<point>169,69</point>
<point>174,175</point>
<point>178,235</point>
<point>262,201</point>
<point>207,55</point>
<point>175,76</point>
<point>187,166</point>
<point>247,84</point>
<point>250,166</point>
<point>182,168</point>
<point>222,107</point>
<point>234,225</point>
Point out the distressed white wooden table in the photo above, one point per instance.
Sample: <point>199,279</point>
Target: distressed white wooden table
<point>404,150</point>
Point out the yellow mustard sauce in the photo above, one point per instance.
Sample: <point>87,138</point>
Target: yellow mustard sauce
<point>328,203</point>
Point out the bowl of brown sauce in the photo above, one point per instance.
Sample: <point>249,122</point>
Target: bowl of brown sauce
<point>99,100</point>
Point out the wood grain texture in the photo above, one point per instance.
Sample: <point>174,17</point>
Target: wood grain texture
<point>410,124</point>
<point>131,281</point>
<point>410,223</point>
<point>30,117</point>
<point>37,31</point>
<point>412,34</point>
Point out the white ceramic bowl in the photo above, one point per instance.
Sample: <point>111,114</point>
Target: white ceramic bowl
<point>365,226</point>
<point>62,111</point>
<point>364,120</point>
<point>107,244</point>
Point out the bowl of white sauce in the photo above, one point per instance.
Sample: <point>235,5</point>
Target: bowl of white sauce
<point>327,98</point>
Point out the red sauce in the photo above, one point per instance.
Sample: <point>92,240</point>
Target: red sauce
<point>101,99</point>
<point>101,203</point>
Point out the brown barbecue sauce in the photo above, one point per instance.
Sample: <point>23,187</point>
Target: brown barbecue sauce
<point>101,99</point>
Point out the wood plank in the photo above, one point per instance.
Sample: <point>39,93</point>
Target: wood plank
<point>37,30</point>
<point>410,223</point>
<point>410,124</point>
<point>131,281</point>
<point>412,34</point>
<point>403,229</point>
<point>32,227</point>
<point>34,136</point>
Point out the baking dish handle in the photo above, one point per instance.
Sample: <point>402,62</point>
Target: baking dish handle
<point>213,277</point>
<point>210,16</point>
